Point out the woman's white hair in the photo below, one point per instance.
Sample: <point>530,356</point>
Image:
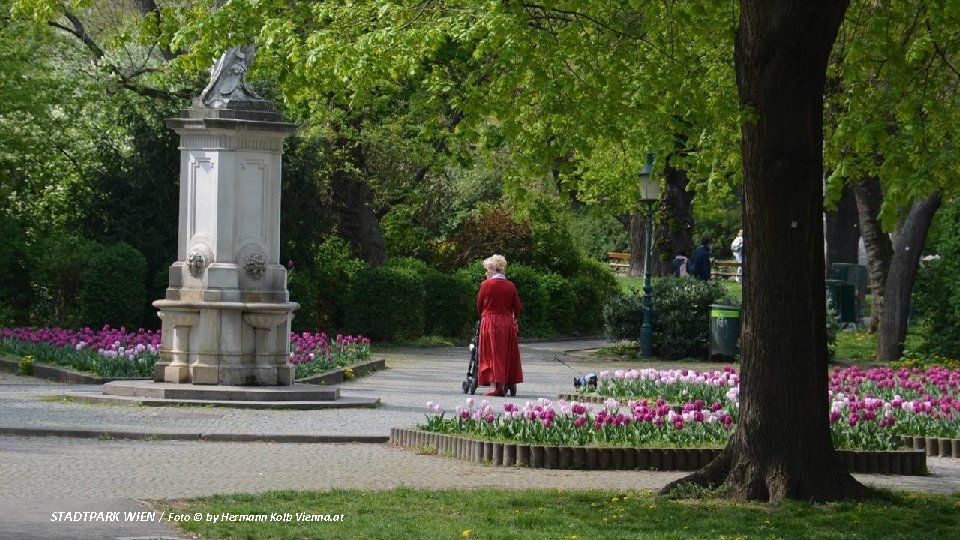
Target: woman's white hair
<point>495,263</point>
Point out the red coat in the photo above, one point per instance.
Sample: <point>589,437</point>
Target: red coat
<point>499,358</point>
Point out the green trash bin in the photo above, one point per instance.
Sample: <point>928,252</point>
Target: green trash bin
<point>855,274</point>
<point>724,331</point>
<point>842,297</point>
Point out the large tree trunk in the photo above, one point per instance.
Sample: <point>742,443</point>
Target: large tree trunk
<point>636,225</point>
<point>781,448</point>
<point>843,231</point>
<point>877,243</point>
<point>907,246</point>
<point>673,232</point>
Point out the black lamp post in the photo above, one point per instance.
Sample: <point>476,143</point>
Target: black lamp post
<point>649,194</point>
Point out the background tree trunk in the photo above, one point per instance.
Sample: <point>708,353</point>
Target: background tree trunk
<point>636,225</point>
<point>869,197</point>
<point>781,448</point>
<point>843,231</point>
<point>673,231</point>
<point>907,247</point>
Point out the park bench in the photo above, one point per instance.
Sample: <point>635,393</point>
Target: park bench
<point>618,262</point>
<point>725,270</point>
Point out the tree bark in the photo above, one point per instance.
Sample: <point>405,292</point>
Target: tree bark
<point>907,247</point>
<point>673,232</point>
<point>869,197</point>
<point>636,225</point>
<point>843,231</point>
<point>781,447</point>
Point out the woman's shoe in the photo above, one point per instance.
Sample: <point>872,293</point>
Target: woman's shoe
<point>497,391</point>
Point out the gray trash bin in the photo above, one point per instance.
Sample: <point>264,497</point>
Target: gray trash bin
<point>724,331</point>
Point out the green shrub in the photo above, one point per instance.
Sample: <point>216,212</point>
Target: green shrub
<point>623,316</point>
<point>450,305</point>
<point>322,285</point>
<point>490,230</point>
<point>449,301</point>
<point>593,285</point>
<point>596,231</point>
<point>936,293</point>
<point>535,313</point>
<point>386,304</point>
<point>681,307</point>
<point>681,315</point>
<point>554,248</point>
<point>561,303</point>
<point>113,288</point>
<point>58,262</point>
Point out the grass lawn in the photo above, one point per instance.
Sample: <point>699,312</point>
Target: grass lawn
<point>556,514</point>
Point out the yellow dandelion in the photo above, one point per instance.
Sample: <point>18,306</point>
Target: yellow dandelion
<point>467,533</point>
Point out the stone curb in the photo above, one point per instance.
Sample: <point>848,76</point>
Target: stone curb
<point>207,437</point>
<point>69,376</point>
<point>66,375</point>
<point>900,462</point>
<point>933,446</point>
<point>344,402</point>
<point>336,376</point>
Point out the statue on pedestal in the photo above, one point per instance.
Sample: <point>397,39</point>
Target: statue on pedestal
<point>226,79</point>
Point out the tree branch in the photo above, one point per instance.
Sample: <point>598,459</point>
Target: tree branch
<point>126,79</point>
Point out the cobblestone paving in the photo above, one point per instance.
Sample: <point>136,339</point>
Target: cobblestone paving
<point>42,475</point>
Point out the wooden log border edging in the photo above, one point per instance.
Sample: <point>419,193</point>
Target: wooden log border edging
<point>933,446</point>
<point>901,462</point>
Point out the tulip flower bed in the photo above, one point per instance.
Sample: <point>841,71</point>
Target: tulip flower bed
<point>870,410</point>
<point>673,385</point>
<point>113,352</point>
<point>636,423</point>
<point>109,352</point>
<point>313,353</point>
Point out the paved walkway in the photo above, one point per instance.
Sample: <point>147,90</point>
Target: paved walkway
<point>43,475</point>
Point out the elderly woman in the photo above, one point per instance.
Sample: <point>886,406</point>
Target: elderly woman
<point>499,306</point>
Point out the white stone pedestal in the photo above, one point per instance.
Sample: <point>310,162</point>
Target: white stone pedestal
<point>226,315</point>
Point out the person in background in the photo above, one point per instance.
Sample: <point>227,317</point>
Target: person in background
<point>679,264</point>
<point>737,248</point>
<point>699,264</point>
<point>499,306</point>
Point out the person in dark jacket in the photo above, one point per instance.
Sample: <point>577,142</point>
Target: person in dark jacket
<point>698,265</point>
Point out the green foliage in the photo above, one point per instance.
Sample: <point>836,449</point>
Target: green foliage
<point>936,294</point>
<point>717,217</point>
<point>681,315</point>
<point>113,290</point>
<point>623,316</point>
<point>535,317</point>
<point>597,231</point>
<point>404,237</point>
<point>561,303</point>
<point>15,291</point>
<point>25,365</point>
<point>554,248</point>
<point>492,229</point>
<point>385,304</point>
<point>322,285</point>
<point>58,261</point>
<point>681,324</point>
<point>450,306</point>
<point>593,285</point>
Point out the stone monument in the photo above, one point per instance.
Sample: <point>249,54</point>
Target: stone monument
<point>226,315</point>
